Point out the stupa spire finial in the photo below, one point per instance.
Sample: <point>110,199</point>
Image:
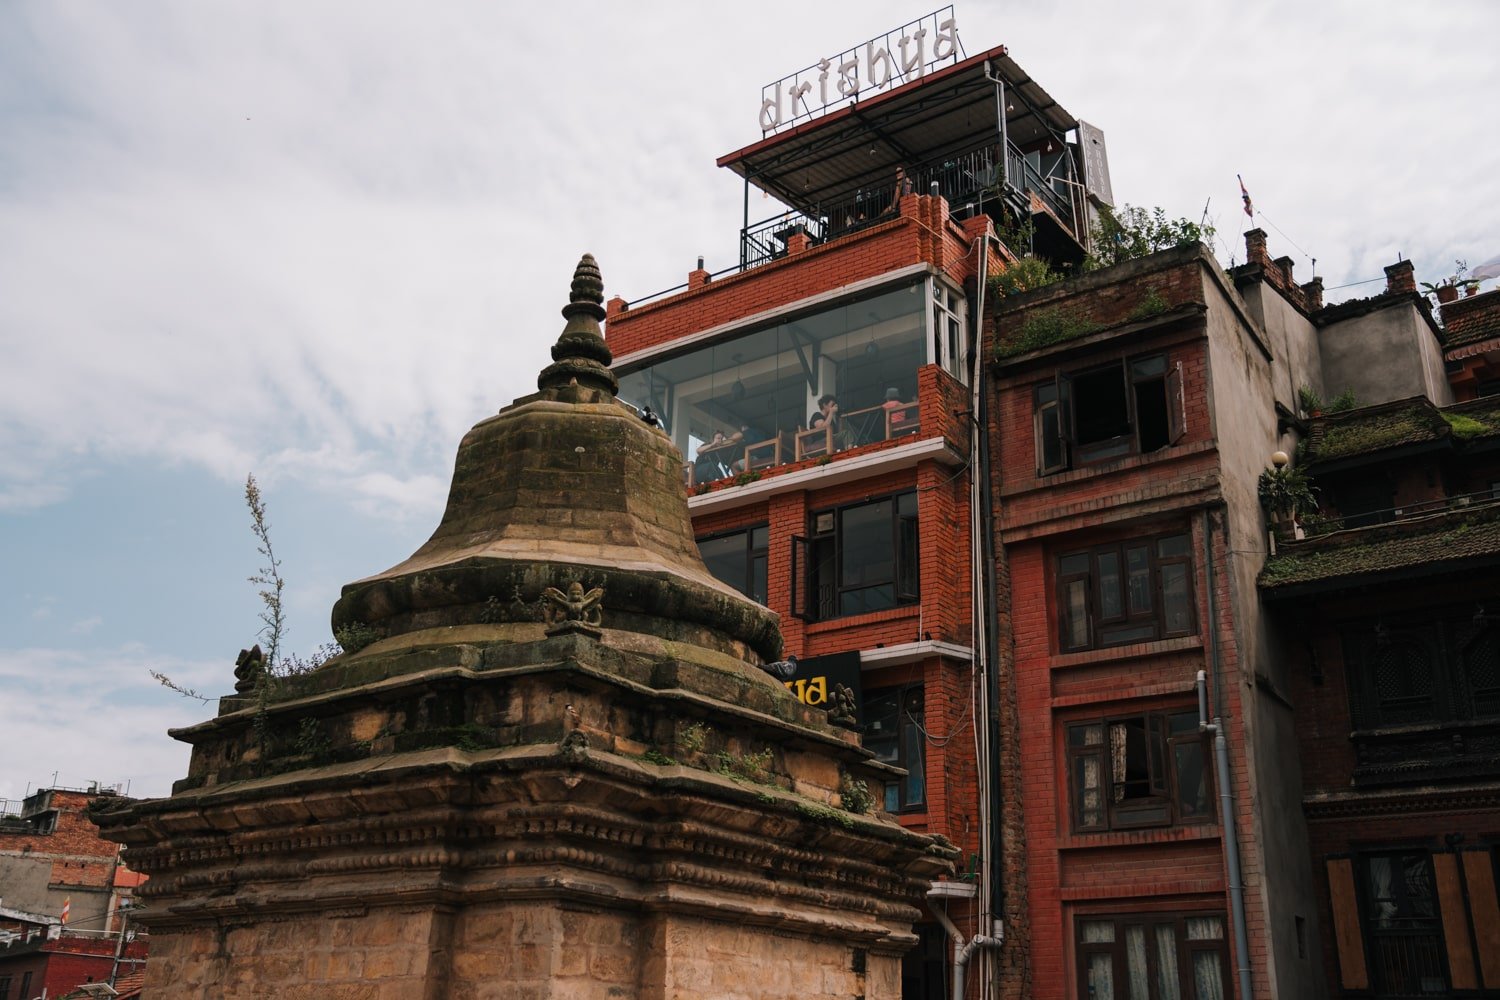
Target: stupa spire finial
<point>580,354</point>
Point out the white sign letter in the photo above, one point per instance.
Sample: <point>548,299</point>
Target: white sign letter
<point>824,65</point>
<point>770,112</point>
<point>849,77</point>
<point>878,64</point>
<point>947,32</point>
<point>917,65</point>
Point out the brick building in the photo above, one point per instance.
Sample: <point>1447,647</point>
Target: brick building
<point>1136,409</point>
<point>821,392</point>
<point>52,858</point>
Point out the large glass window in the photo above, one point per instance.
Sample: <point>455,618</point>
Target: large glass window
<point>1138,770</point>
<point>1122,408</point>
<point>1124,592</point>
<point>739,405</point>
<point>892,729</point>
<point>738,558</point>
<point>858,558</point>
<point>1153,956</point>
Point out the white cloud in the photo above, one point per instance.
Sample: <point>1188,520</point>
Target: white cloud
<point>96,714</point>
<point>85,626</point>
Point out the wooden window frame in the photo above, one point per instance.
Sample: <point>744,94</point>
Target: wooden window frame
<point>910,707</point>
<point>819,554</point>
<point>753,553</point>
<point>1105,626</point>
<point>1184,948</point>
<point>1057,446</point>
<point>1165,793</point>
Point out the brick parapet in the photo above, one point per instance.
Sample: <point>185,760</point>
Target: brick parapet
<point>919,234</point>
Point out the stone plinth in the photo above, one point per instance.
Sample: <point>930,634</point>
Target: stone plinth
<point>558,770</point>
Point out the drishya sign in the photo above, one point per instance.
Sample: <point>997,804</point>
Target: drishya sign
<point>871,67</point>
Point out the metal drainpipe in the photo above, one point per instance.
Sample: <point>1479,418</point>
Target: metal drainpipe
<point>989,597</point>
<point>1221,759</point>
<point>964,950</point>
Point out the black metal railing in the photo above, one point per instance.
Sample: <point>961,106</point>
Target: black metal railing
<point>1315,525</point>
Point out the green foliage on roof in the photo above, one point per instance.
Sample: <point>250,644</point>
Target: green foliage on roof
<point>1465,427</point>
<point>1045,328</point>
<point>1372,432</point>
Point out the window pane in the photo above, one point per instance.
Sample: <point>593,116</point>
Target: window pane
<point>1097,931</point>
<point>1101,973</point>
<point>1208,977</point>
<point>1087,784</point>
<point>1166,963</point>
<point>1135,962</point>
<point>1205,928</point>
<point>914,762</point>
<point>1076,614</point>
<point>1121,634</point>
<point>1146,367</point>
<point>1138,574</point>
<point>760,538</point>
<point>1086,736</point>
<point>1111,605</point>
<point>1192,780</point>
<point>866,557</point>
<point>881,729</point>
<point>1073,565</point>
<point>1172,545</point>
<point>1183,723</point>
<point>1176,601</point>
<point>727,559</point>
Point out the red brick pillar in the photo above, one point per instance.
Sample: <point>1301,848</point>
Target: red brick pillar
<point>1400,279</point>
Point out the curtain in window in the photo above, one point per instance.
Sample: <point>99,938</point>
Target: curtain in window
<point>1166,963</point>
<point>1135,962</point>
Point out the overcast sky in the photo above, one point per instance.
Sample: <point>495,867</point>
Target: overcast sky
<point>318,241</point>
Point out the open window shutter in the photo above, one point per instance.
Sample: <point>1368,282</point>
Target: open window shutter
<point>1450,895</point>
<point>1157,740</point>
<point>1054,418</point>
<point>800,563</point>
<point>908,558</point>
<point>1176,405</point>
<point>1345,904</point>
<point>1479,875</point>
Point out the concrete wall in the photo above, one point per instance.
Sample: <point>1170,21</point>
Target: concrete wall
<point>1245,384</point>
<point>1292,340</point>
<point>1410,361</point>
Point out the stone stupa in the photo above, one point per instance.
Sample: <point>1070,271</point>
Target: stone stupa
<point>556,770</point>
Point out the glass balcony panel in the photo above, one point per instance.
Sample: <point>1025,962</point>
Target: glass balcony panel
<point>739,405</point>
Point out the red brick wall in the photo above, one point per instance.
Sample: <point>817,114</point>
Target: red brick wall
<point>74,838</point>
<point>920,234</point>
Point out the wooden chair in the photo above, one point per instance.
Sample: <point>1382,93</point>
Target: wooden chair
<point>815,443</point>
<point>763,454</point>
<point>902,420</point>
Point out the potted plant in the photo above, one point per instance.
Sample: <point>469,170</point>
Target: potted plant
<point>1286,493</point>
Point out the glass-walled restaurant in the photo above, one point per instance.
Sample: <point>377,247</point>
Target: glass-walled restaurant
<point>809,385</point>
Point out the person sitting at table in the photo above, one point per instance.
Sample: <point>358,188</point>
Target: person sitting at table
<point>709,463</point>
<point>827,415</point>
<point>895,410</point>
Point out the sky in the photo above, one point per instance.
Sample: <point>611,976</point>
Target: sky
<point>317,241</point>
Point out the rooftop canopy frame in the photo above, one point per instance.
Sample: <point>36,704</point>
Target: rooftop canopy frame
<point>984,100</point>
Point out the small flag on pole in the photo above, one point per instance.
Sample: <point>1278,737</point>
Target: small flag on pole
<point>1249,208</point>
<point>67,904</point>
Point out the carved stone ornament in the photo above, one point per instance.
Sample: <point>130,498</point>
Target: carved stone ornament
<point>841,712</point>
<point>574,611</point>
<point>249,669</point>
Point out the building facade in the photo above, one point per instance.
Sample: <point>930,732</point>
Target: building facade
<point>822,394</point>
<point>1348,666</point>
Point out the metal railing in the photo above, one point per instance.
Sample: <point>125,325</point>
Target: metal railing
<point>1318,525</point>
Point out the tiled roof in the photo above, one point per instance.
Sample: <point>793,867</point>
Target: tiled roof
<point>1472,319</point>
<point>1373,429</point>
<point>1436,542</point>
